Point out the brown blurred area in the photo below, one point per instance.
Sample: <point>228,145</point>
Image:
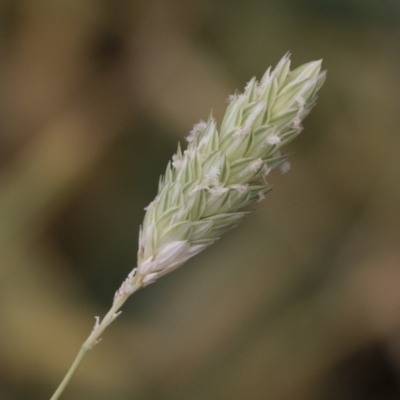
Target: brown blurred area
<point>300,302</point>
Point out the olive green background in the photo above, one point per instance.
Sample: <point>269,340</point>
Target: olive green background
<point>302,301</point>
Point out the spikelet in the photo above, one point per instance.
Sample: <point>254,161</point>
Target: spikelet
<point>206,188</point>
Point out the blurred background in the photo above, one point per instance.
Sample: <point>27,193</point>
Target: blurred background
<point>301,302</point>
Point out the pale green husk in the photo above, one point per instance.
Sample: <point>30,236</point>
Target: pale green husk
<point>206,188</point>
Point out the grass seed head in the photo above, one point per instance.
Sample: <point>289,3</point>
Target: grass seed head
<point>205,188</point>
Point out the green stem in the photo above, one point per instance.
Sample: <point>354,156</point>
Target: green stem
<point>94,337</point>
<point>70,373</point>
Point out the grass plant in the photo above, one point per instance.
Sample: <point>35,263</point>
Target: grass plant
<point>207,188</point>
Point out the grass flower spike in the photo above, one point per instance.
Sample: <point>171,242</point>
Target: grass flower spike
<point>206,187</point>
